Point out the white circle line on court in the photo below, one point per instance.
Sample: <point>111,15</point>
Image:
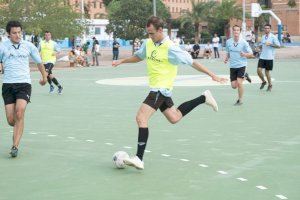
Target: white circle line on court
<point>181,80</point>
<point>281,196</point>
<point>261,187</point>
<point>182,159</point>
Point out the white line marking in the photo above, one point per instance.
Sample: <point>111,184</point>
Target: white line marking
<point>51,135</point>
<point>11,131</point>
<point>72,138</point>
<point>242,179</point>
<point>184,160</point>
<point>147,151</point>
<point>127,147</point>
<point>261,187</point>
<point>222,172</point>
<point>107,143</point>
<point>202,165</point>
<point>281,196</point>
<point>90,140</point>
<point>165,155</point>
<point>32,133</point>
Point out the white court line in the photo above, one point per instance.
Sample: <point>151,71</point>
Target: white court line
<point>90,140</point>
<point>32,133</point>
<point>281,196</point>
<point>165,155</point>
<point>261,187</point>
<point>184,160</point>
<point>203,165</point>
<point>107,143</point>
<point>147,151</point>
<point>242,179</point>
<point>127,147</point>
<point>51,135</point>
<point>72,138</point>
<point>11,131</point>
<point>222,172</point>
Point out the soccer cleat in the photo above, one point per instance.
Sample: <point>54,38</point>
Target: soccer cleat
<point>209,100</point>
<point>248,77</point>
<point>269,88</point>
<point>263,85</point>
<point>238,103</point>
<point>51,89</point>
<point>14,152</point>
<point>60,90</point>
<point>134,162</point>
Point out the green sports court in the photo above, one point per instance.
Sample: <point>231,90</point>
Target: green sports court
<point>248,152</point>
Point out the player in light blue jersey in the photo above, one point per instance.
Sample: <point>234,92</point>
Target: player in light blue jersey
<point>238,50</point>
<point>268,44</point>
<point>16,88</point>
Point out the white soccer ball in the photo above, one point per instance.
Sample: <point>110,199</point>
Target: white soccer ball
<point>118,158</point>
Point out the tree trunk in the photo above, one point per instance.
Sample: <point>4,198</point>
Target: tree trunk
<point>197,33</point>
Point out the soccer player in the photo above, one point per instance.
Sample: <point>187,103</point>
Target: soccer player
<point>48,50</point>
<point>238,50</point>
<point>16,88</point>
<point>162,57</point>
<point>268,44</point>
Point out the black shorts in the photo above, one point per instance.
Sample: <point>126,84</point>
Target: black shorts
<point>156,100</point>
<point>49,67</point>
<point>13,91</point>
<point>266,64</point>
<point>237,73</point>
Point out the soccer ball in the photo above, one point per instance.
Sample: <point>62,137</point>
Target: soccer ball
<point>118,158</point>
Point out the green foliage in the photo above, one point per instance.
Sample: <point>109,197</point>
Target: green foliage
<point>292,3</point>
<point>128,18</point>
<point>37,16</point>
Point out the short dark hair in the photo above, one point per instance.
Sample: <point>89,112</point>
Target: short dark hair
<point>47,32</point>
<point>156,22</point>
<point>12,24</point>
<point>237,26</point>
<point>269,25</point>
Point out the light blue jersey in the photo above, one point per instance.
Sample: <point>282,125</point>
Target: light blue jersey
<point>176,56</point>
<point>234,50</point>
<point>268,52</point>
<point>15,59</point>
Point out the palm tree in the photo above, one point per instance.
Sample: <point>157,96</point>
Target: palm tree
<point>227,11</point>
<point>200,12</point>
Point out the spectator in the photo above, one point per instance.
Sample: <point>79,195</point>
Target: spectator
<point>196,50</point>
<point>215,42</point>
<point>136,45</point>
<point>207,51</point>
<point>95,51</point>
<point>116,46</point>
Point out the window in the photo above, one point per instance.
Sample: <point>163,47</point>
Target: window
<point>95,4</point>
<point>97,31</point>
<point>100,5</point>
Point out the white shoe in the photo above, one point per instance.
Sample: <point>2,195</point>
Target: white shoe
<point>134,162</point>
<point>209,100</point>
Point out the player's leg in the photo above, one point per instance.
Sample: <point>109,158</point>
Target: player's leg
<point>269,68</point>
<point>260,74</point>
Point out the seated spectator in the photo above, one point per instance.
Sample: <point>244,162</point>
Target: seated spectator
<point>136,44</point>
<point>188,47</point>
<point>72,58</point>
<point>207,50</point>
<point>196,50</point>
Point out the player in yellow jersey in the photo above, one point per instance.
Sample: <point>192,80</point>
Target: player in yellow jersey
<point>48,50</point>
<point>162,58</point>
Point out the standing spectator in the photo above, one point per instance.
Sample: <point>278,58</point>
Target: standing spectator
<point>136,45</point>
<point>95,51</point>
<point>116,46</point>
<point>215,42</point>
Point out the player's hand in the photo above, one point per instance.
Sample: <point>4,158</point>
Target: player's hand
<point>243,54</point>
<point>43,81</point>
<point>267,43</point>
<point>116,63</point>
<point>219,79</point>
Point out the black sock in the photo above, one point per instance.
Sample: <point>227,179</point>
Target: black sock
<point>142,142</point>
<point>49,80</point>
<point>56,82</point>
<point>188,106</point>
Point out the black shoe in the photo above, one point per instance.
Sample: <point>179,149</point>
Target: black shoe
<point>14,152</point>
<point>269,88</point>
<point>238,103</point>
<point>263,85</point>
<point>248,77</point>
